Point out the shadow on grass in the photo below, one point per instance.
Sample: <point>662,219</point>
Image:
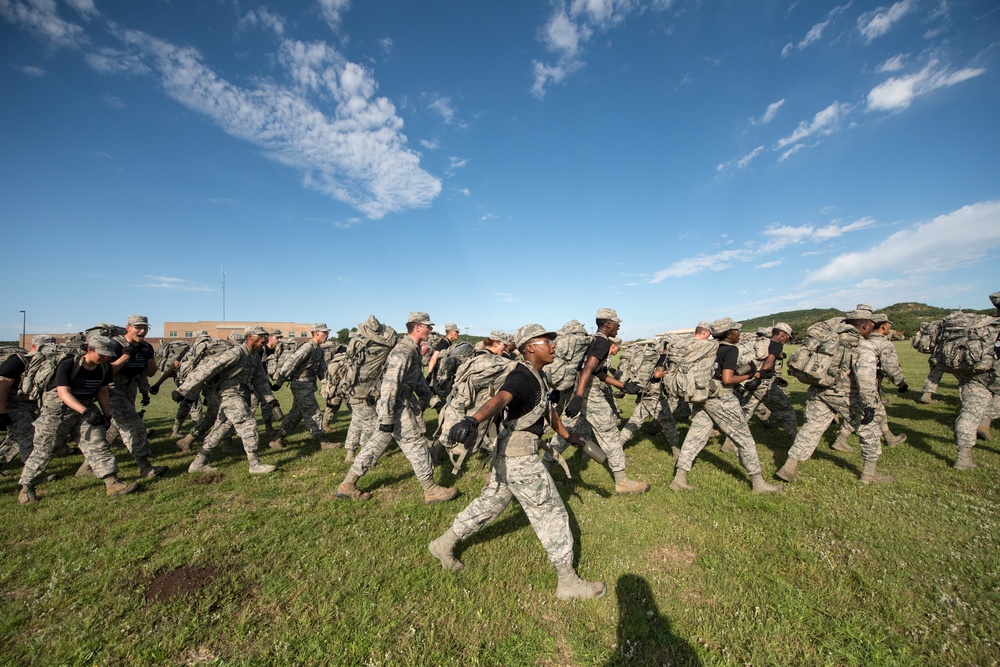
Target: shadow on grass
<point>645,637</point>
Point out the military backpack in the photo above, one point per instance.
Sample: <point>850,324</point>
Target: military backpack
<point>966,343</point>
<point>447,366</point>
<point>690,363</point>
<point>364,359</point>
<point>572,342</point>
<point>826,354</point>
<point>636,364</point>
<point>925,339</point>
<point>171,351</point>
<point>41,369</point>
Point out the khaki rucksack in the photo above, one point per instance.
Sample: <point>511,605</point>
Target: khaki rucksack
<point>572,342</point>
<point>825,356</point>
<point>690,363</point>
<point>925,339</point>
<point>636,363</point>
<point>171,351</point>
<point>41,369</point>
<point>447,366</point>
<point>966,343</point>
<point>364,359</point>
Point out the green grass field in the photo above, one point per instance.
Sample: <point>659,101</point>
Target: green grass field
<point>234,569</point>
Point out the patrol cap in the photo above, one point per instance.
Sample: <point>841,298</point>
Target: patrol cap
<point>237,337</point>
<point>138,321</point>
<point>417,317</point>
<point>276,333</point>
<point>499,335</point>
<point>704,325</point>
<point>451,327</point>
<point>859,315</point>
<point>863,306</point>
<point>321,326</point>
<point>102,345</point>
<point>200,333</point>
<point>608,314</point>
<point>529,331</point>
<point>42,339</point>
<point>254,330</point>
<point>722,325</point>
<point>879,318</point>
<point>783,326</point>
<point>995,299</point>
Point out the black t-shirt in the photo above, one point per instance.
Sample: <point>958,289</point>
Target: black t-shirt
<point>774,348</point>
<point>442,345</point>
<point>84,384</point>
<point>599,348</point>
<point>523,386</point>
<point>12,368</point>
<point>136,365</point>
<point>725,357</point>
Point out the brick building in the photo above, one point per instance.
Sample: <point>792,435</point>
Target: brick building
<point>217,329</point>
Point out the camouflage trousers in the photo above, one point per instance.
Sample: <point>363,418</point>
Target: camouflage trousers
<point>330,411</point>
<point>304,409</point>
<point>933,379</point>
<point>409,433</point>
<point>977,402</point>
<point>652,405</point>
<point>727,414</point>
<point>773,396</point>
<point>212,399</point>
<point>363,423</point>
<point>822,405</point>
<point>186,409</point>
<point>597,415</point>
<point>20,433</point>
<point>234,413</point>
<point>51,428</point>
<point>266,411</point>
<point>131,428</point>
<point>524,478</point>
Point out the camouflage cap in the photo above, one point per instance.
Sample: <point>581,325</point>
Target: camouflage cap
<point>254,330</point>
<point>498,335</point>
<point>859,315</point>
<point>704,325</point>
<point>879,318</point>
<point>42,339</point>
<point>138,321</point>
<point>451,327</point>
<point>863,306</point>
<point>783,326</point>
<point>724,324</point>
<point>276,333</point>
<point>321,326</point>
<point>237,337</point>
<point>608,314</point>
<point>200,333</point>
<point>101,345</point>
<point>529,331</point>
<point>995,299</point>
<point>418,317</point>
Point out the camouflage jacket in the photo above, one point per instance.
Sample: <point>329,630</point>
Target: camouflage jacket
<point>864,367</point>
<point>236,370</point>
<point>888,359</point>
<point>305,364</point>
<point>403,376</point>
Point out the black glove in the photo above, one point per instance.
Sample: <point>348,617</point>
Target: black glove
<point>94,417</point>
<point>437,405</point>
<point>145,399</point>
<point>753,368</point>
<point>132,351</point>
<point>154,390</point>
<point>575,403</point>
<point>869,416</point>
<point>464,430</point>
<point>177,396</point>
<point>275,386</point>
<point>5,421</point>
<point>631,388</point>
<point>903,387</point>
<point>387,428</point>
<point>750,386</point>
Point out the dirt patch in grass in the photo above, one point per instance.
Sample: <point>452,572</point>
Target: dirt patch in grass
<point>198,656</point>
<point>213,478</point>
<point>672,557</point>
<point>184,579</point>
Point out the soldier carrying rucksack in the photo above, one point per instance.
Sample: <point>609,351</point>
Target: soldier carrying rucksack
<point>17,411</point>
<point>360,374</point>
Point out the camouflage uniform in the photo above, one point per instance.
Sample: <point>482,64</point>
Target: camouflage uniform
<point>305,365</point>
<point>856,390</point>
<point>239,372</point>
<point>652,404</point>
<point>123,392</point>
<point>933,376</point>
<point>772,397</point>
<point>363,422</point>
<point>397,405</point>
<point>978,402</point>
<point>22,413</point>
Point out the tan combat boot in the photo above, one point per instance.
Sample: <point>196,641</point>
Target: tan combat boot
<point>442,548</point>
<point>787,471</point>
<point>438,494</point>
<point>680,482</point>
<point>27,496</point>
<point>760,486</point>
<point>113,487</point>
<point>840,444</point>
<point>983,431</point>
<point>148,470</point>
<point>572,587</point>
<point>349,488</point>
<point>256,467</point>
<point>176,432</point>
<point>964,459</point>
<point>868,474</point>
<point>184,444</point>
<point>890,438</point>
<point>200,464</point>
<point>84,470</point>
<point>728,446</point>
<point>624,485</point>
<point>927,398</point>
<point>279,440</point>
<point>349,456</point>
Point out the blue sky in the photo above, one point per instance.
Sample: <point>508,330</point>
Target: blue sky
<point>494,163</point>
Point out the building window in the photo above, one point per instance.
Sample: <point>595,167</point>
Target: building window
<point>172,334</point>
<point>188,334</point>
<point>304,334</point>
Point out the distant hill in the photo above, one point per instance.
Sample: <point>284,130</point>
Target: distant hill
<point>906,317</point>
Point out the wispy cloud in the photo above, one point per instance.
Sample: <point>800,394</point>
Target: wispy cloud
<point>823,123</point>
<point>333,11</point>
<point>31,70</point>
<point>954,239</point>
<point>897,93</point>
<point>265,18</point>
<point>772,111</point>
<point>879,21</point>
<point>112,101</point>
<point>41,17</point>
<point>815,32</point>
<point>893,64</point>
<point>782,236</point>
<point>171,283</point>
<point>742,162</point>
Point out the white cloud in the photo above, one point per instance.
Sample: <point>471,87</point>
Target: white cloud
<point>115,61</point>
<point>781,236</point>
<point>112,101</point>
<point>823,123</point>
<point>332,11</point>
<point>769,265</point>
<point>171,283</point>
<point>31,70</point>
<point>815,32</point>
<point>715,262</point>
<point>893,64</point>
<point>442,106</point>
<point>879,21</point>
<point>770,113</point>
<point>948,241</point>
<point>897,93</point>
<point>41,17</point>
<point>266,18</point>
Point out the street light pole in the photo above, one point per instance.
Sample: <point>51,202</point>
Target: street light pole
<point>24,326</point>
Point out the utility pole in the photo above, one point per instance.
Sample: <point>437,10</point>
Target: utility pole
<point>24,326</point>
<point>223,294</point>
